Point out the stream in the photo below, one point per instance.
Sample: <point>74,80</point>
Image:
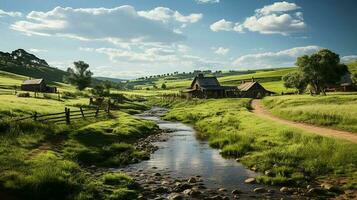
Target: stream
<point>184,156</point>
<point>181,156</point>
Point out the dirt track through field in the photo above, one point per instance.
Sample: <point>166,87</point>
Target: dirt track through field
<point>260,111</point>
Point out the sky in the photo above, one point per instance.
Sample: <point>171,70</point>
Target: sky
<point>135,38</point>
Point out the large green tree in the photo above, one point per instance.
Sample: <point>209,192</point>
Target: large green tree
<point>79,76</point>
<point>295,80</point>
<point>321,69</point>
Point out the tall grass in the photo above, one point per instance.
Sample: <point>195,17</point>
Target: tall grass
<point>335,110</point>
<point>293,156</point>
<point>44,161</point>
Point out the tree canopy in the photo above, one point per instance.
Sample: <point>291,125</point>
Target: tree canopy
<point>295,80</point>
<point>319,70</point>
<point>79,75</point>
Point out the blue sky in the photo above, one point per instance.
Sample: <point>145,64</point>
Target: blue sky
<point>128,39</point>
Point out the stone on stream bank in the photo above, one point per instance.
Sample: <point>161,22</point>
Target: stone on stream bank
<point>250,180</point>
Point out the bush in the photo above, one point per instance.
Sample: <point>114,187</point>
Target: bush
<point>23,94</point>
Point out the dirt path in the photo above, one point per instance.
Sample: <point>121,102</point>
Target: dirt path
<point>259,110</point>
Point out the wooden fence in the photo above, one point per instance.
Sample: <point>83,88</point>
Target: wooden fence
<point>68,115</point>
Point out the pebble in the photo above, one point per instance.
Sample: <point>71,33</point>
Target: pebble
<point>260,190</point>
<point>192,180</point>
<point>236,192</point>
<point>249,180</point>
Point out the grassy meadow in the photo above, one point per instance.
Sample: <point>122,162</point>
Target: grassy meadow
<point>291,156</point>
<point>271,79</point>
<point>337,110</point>
<point>38,160</point>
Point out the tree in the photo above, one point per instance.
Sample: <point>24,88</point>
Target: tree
<point>321,69</point>
<point>98,90</point>
<point>354,77</point>
<point>295,80</point>
<point>79,75</point>
<point>107,85</point>
<point>163,86</point>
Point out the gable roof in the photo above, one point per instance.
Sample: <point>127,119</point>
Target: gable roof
<point>205,82</point>
<point>249,85</point>
<point>246,86</point>
<point>32,82</point>
<point>346,79</point>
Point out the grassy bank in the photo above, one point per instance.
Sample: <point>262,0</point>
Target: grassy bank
<point>39,161</point>
<point>291,157</point>
<point>334,110</point>
<point>48,161</point>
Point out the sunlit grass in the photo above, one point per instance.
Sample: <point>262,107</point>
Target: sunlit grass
<point>293,156</point>
<point>334,110</point>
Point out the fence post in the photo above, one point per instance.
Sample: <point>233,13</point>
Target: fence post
<point>97,111</point>
<point>35,116</point>
<point>81,109</point>
<point>108,108</point>
<point>68,114</point>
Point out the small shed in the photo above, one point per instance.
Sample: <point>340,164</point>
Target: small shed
<point>253,89</point>
<point>208,87</point>
<point>37,85</point>
<point>344,85</point>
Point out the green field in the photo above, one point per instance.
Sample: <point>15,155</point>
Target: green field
<point>35,156</point>
<point>38,160</point>
<point>271,80</point>
<point>293,156</point>
<point>334,110</point>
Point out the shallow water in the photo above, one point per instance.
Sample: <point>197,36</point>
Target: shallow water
<point>183,155</point>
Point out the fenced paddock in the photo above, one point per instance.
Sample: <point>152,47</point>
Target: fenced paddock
<point>68,116</point>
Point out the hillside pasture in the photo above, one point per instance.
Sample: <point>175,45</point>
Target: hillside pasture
<point>336,110</point>
<point>270,79</point>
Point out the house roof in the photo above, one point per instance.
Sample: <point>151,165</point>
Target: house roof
<point>246,86</point>
<point>207,81</point>
<point>32,82</point>
<point>346,79</point>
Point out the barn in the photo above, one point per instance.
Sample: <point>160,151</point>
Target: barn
<point>253,89</point>
<point>37,85</point>
<point>208,87</point>
<point>344,85</point>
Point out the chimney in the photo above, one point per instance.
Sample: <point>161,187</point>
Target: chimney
<point>253,80</point>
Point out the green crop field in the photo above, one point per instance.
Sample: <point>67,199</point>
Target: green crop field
<point>334,110</point>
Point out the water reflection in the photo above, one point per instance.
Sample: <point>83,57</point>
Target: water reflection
<point>183,155</point>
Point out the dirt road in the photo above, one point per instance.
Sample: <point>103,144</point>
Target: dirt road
<point>259,110</point>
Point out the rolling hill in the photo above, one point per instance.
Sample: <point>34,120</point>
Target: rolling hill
<point>26,64</point>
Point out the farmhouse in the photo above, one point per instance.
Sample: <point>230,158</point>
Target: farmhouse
<point>253,89</point>
<point>37,85</point>
<point>208,87</point>
<point>344,85</point>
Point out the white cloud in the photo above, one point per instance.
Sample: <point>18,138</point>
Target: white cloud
<point>166,15</point>
<point>207,1</point>
<point>348,59</point>
<point>278,7</point>
<point>282,58</point>
<point>120,24</point>
<point>37,50</point>
<point>271,19</point>
<point>284,24</point>
<point>221,51</point>
<point>10,14</point>
<point>163,58</point>
<point>222,25</point>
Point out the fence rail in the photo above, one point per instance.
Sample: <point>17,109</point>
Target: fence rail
<point>67,116</point>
